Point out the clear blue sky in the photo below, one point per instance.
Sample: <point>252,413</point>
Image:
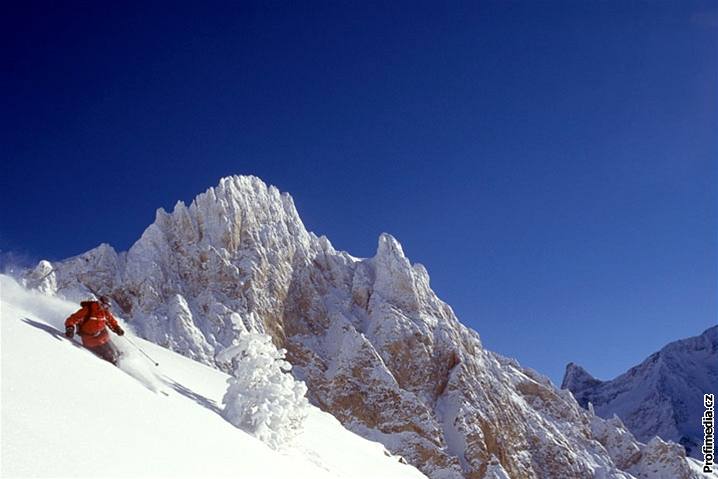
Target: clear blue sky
<point>553,164</point>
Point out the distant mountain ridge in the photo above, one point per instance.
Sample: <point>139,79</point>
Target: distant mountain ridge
<point>375,345</point>
<point>662,396</point>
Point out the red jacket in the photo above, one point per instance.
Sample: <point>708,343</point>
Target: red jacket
<point>93,318</point>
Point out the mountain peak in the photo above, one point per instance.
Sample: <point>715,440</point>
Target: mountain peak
<point>389,246</point>
<point>576,374</point>
<point>375,345</point>
<point>662,396</point>
<point>577,380</point>
<point>246,189</point>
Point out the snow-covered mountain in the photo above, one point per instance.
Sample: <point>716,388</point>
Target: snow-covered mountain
<point>66,413</point>
<point>662,396</point>
<point>376,347</point>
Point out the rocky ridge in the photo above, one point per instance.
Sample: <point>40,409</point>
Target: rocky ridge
<point>662,396</point>
<point>376,347</point>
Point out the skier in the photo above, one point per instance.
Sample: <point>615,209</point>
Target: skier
<point>92,321</point>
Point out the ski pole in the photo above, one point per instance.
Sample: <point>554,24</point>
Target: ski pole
<point>140,349</point>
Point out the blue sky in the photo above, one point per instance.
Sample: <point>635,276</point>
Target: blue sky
<point>553,164</point>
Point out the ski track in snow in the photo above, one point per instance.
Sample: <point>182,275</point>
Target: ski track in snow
<point>67,413</point>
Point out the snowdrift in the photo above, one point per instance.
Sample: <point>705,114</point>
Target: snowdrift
<point>66,413</point>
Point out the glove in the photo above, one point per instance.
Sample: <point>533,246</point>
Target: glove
<point>120,331</point>
<point>69,331</point>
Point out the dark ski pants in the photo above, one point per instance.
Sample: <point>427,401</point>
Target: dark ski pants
<point>107,351</point>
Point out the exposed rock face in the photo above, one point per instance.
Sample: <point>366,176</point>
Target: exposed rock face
<point>662,396</point>
<point>374,344</point>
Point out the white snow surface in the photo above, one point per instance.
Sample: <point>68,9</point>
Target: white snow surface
<point>66,413</point>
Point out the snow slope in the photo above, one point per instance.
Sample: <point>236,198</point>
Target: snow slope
<point>662,396</point>
<point>66,413</point>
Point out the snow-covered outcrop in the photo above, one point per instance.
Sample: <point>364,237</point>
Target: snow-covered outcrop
<point>374,344</point>
<point>66,413</point>
<point>662,396</point>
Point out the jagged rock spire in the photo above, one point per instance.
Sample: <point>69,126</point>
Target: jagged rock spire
<point>377,348</point>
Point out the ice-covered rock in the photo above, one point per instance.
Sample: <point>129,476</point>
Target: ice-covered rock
<point>375,345</point>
